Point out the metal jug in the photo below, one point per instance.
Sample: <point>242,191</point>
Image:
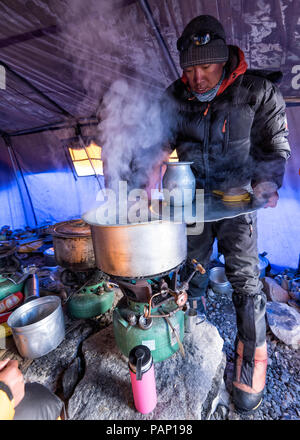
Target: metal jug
<point>179,183</point>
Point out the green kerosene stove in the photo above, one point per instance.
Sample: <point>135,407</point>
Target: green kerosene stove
<point>95,297</point>
<point>151,313</point>
<point>143,254</point>
<point>92,300</point>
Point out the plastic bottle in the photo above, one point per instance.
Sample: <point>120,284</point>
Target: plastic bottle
<point>142,379</point>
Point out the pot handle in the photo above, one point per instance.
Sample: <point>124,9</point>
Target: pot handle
<point>160,179</point>
<point>160,185</point>
<point>120,319</point>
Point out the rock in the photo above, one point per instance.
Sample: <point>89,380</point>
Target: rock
<point>223,411</point>
<point>295,304</point>
<point>71,377</point>
<point>273,291</point>
<point>232,414</point>
<point>211,294</point>
<point>284,322</point>
<point>285,377</point>
<point>186,386</point>
<point>222,400</point>
<point>294,295</point>
<point>47,369</point>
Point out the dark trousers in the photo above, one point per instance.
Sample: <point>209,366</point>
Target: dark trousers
<point>237,241</point>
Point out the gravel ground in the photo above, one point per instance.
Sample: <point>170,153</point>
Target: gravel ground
<point>282,393</point>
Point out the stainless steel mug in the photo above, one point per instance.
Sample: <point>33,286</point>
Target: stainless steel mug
<point>191,319</point>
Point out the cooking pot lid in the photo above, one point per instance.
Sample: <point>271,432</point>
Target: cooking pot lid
<point>72,228</point>
<point>209,208</point>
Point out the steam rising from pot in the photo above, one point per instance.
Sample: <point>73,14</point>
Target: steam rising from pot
<point>115,58</point>
<point>132,132</point>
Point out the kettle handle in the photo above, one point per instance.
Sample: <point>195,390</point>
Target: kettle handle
<point>160,185</point>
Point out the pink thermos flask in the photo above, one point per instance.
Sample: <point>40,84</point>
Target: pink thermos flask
<point>142,379</point>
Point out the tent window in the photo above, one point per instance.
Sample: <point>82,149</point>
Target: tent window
<point>87,162</point>
<point>173,157</point>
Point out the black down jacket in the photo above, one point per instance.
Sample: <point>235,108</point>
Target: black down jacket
<point>240,136</point>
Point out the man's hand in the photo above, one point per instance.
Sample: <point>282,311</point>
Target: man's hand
<point>13,378</point>
<point>266,192</point>
<point>272,200</point>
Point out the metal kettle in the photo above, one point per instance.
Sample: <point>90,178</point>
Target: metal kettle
<point>179,183</point>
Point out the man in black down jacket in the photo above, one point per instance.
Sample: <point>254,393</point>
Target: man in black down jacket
<point>231,123</point>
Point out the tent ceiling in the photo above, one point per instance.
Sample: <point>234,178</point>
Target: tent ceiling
<point>70,51</point>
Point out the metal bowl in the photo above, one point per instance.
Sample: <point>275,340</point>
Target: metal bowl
<point>38,326</point>
<point>218,280</point>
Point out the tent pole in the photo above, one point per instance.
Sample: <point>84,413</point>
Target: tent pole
<point>38,33</point>
<point>35,89</point>
<point>148,13</point>
<point>14,160</point>
<point>17,180</point>
<point>53,127</point>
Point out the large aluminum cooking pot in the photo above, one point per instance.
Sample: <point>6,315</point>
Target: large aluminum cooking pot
<point>73,245</point>
<point>38,326</point>
<point>137,249</point>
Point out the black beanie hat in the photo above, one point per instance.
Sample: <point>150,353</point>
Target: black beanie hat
<point>215,51</point>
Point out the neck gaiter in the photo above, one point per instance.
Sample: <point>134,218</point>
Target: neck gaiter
<point>210,94</point>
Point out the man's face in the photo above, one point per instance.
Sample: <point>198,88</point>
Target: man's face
<point>204,77</point>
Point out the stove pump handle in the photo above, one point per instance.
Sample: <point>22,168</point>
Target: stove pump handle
<point>198,267</point>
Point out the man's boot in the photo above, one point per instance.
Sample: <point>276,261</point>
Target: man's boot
<point>247,398</point>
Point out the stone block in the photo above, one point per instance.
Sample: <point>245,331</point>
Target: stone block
<point>187,387</point>
<point>273,291</point>
<point>284,322</point>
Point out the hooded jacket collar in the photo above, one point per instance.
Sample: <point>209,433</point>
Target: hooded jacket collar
<point>234,69</point>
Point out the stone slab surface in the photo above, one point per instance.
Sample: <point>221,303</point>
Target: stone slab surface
<point>187,387</point>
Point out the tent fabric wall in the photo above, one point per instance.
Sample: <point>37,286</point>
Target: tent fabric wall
<point>279,228</point>
<point>56,193</point>
<point>96,42</point>
<point>291,184</point>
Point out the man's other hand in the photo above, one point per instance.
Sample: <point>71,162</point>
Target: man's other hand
<point>266,192</point>
<point>272,200</point>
